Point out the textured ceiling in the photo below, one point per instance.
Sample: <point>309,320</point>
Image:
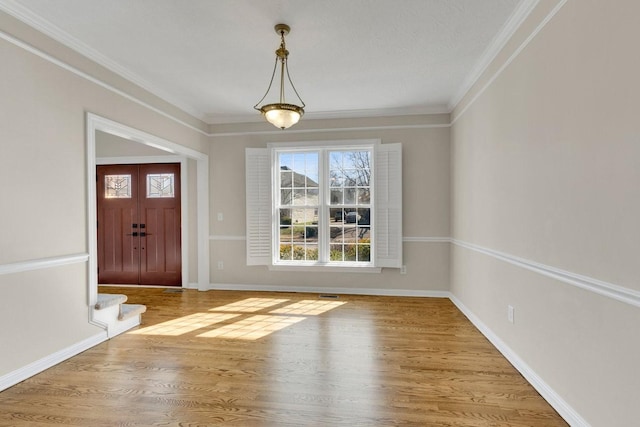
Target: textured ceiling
<point>347,58</point>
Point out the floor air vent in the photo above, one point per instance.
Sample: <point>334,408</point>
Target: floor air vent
<point>325,296</point>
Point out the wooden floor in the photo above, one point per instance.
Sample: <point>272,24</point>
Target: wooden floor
<point>283,359</point>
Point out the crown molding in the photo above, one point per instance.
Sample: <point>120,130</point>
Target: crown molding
<point>499,41</point>
<point>324,115</point>
<point>506,63</point>
<point>24,14</point>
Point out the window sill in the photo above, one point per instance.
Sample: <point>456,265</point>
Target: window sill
<point>325,268</point>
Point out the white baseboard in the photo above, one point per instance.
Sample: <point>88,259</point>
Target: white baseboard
<point>326,290</point>
<point>559,404</point>
<point>21,374</point>
<point>121,326</point>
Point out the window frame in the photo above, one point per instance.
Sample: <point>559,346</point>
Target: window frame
<point>386,207</point>
<point>323,206</point>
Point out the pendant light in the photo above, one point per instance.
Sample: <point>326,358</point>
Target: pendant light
<point>281,114</point>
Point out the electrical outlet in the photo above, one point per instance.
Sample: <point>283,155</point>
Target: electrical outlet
<point>403,269</point>
<point>220,265</point>
<point>220,216</point>
<point>511,314</point>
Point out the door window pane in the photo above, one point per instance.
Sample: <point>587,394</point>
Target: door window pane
<point>160,185</point>
<point>117,186</point>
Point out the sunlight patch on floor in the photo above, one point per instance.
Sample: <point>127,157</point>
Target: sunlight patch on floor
<point>253,327</point>
<point>185,324</point>
<point>242,327</point>
<point>250,305</point>
<point>308,307</point>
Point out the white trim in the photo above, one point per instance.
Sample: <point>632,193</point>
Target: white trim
<point>42,25</point>
<point>549,394</point>
<point>408,239</point>
<point>325,268</point>
<point>202,215</point>
<point>328,290</point>
<point>134,160</point>
<point>92,79</point>
<point>331,129</point>
<point>619,293</point>
<point>219,237</point>
<point>94,123</point>
<point>511,58</point>
<point>38,264</point>
<point>500,40</point>
<point>328,115</point>
<point>21,374</point>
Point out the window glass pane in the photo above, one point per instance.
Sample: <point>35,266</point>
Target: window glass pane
<point>117,186</point>
<point>286,177</point>
<point>286,251</point>
<point>363,196</point>
<point>299,197</point>
<point>336,196</point>
<point>160,185</point>
<point>335,215</point>
<point>364,216</point>
<point>286,161</point>
<point>349,196</point>
<point>285,196</point>
<point>364,253</point>
<point>313,197</point>
<point>336,253</point>
<point>336,234</point>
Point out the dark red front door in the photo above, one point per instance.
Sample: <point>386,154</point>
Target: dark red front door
<point>139,224</point>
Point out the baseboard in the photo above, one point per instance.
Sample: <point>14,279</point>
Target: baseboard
<point>21,374</point>
<point>559,404</point>
<point>122,326</point>
<point>326,290</point>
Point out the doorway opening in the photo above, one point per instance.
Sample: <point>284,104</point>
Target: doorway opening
<point>195,277</point>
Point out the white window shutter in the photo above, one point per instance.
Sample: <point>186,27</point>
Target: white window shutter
<point>388,205</point>
<point>258,206</point>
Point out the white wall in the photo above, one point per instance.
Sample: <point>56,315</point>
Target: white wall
<point>43,227</point>
<point>545,171</point>
<point>425,144</point>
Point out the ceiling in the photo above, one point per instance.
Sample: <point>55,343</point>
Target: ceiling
<point>214,59</point>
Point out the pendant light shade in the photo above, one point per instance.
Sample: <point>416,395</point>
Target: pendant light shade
<point>281,114</point>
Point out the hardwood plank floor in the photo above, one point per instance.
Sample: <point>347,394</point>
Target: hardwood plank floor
<point>283,359</point>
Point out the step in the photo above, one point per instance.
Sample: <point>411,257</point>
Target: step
<point>129,310</point>
<point>108,300</point>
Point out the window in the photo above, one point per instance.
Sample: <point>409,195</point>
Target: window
<point>117,186</point>
<point>325,205</point>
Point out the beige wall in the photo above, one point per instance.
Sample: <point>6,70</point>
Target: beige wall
<point>425,211</point>
<point>44,205</point>
<point>545,167</point>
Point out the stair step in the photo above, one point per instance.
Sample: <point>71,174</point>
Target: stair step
<point>130,310</point>
<point>108,300</point>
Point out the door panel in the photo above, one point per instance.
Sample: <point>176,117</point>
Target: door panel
<point>139,224</point>
<point>161,256</point>
<point>118,254</point>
